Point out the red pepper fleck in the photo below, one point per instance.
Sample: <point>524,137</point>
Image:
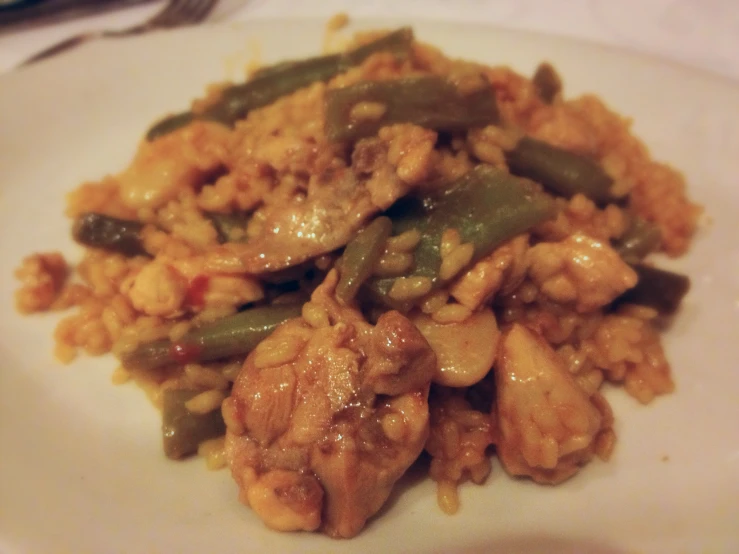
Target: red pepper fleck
<point>183,353</point>
<point>196,291</point>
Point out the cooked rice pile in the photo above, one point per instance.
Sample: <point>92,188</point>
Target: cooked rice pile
<point>540,299</point>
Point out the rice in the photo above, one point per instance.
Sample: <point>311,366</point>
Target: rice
<point>276,158</point>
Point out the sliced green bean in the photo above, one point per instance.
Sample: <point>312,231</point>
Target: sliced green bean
<point>182,430</point>
<point>487,206</point>
<point>359,257</point>
<point>109,233</point>
<point>284,78</point>
<point>564,173</point>
<point>657,288</point>
<point>230,227</point>
<point>234,335</point>
<point>640,239</point>
<point>547,82</point>
<point>429,101</point>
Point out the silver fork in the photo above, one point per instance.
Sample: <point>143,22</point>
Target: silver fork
<point>176,13</point>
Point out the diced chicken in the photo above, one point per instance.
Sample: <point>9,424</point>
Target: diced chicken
<point>327,414</point>
<point>177,161</point>
<point>549,427</point>
<point>43,277</point>
<point>502,270</point>
<point>579,270</point>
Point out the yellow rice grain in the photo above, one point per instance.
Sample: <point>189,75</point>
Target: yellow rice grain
<point>199,376</point>
<point>392,264</point>
<point>367,111</point>
<point>450,239</point>
<point>410,288</point>
<point>447,497</point>
<point>120,375</point>
<point>214,452</point>
<point>273,353</point>
<point>404,242</point>
<point>451,313</point>
<point>230,417</point>
<point>205,402</point>
<point>456,260</point>
<point>434,301</point>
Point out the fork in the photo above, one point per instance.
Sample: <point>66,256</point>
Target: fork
<point>176,13</point>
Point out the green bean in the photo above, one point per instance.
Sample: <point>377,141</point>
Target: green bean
<point>429,101</point>
<point>487,206</point>
<point>234,335</point>
<point>169,124</point>
<point>547,82</point>
<point>656,288</point>
<point>563,172</point>
<point>182,430</point>
<point>109,233</point>
<point>230,227</point>
<point>641,238</point>
<point>359,257</point>
<point>284,78</point>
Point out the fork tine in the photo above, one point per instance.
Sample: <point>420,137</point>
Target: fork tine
<point>182,11</point>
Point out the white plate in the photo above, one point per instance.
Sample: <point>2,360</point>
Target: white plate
<point>81,468</point>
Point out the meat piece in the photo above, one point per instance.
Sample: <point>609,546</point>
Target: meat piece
<point>337,203</point>
<point>549,427</point>
<point>180,160</point>
<point>335,207</point>
<point>326,414</point>
<point>579,270</point>
<point>43,277</point>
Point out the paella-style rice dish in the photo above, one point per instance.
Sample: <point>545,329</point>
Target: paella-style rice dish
<point>353,262</point>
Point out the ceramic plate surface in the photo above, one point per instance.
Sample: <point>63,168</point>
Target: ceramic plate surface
<point>81,468</point>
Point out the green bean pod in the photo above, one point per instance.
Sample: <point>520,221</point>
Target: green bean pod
<point>234,335</point>
<point>640,239</point>
<point>656,288</point>
<point>182,430</point>
<point>547,82</point>
<point>271,83</point>
<point>359,257</point>
<point>564,173</point>
<point>429,101</point>
<point>109,233</point>
<point>487,206</point>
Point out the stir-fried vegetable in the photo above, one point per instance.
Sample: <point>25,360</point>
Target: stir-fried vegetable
<point>360,256</point>
<point>271,83</point>
<point>487,206</point>
<point>657,288</point>
<point>182,430</point>
<point>641,238</point>
<point>547,82</point>
<point>235,335</point>
<point>563,172</point>
<point>361,110</point>
<point>110,233</point>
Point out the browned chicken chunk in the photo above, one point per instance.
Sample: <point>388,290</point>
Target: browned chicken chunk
<point>327,414</point>
<point>549,427</point>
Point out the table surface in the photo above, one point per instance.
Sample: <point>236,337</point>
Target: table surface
<point>700,33</point>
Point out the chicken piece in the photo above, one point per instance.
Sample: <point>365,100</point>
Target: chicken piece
<point>549,427</point>
<point>180,160</point>
<point>42,277</point>
<point>579,270</point>
<point>335,207</point>
<point>500,271</point>
<point>327,414</point>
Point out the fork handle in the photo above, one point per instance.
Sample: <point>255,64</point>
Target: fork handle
<point>66,44</point>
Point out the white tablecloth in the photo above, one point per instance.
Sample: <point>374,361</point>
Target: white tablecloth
<point>701,33</point>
